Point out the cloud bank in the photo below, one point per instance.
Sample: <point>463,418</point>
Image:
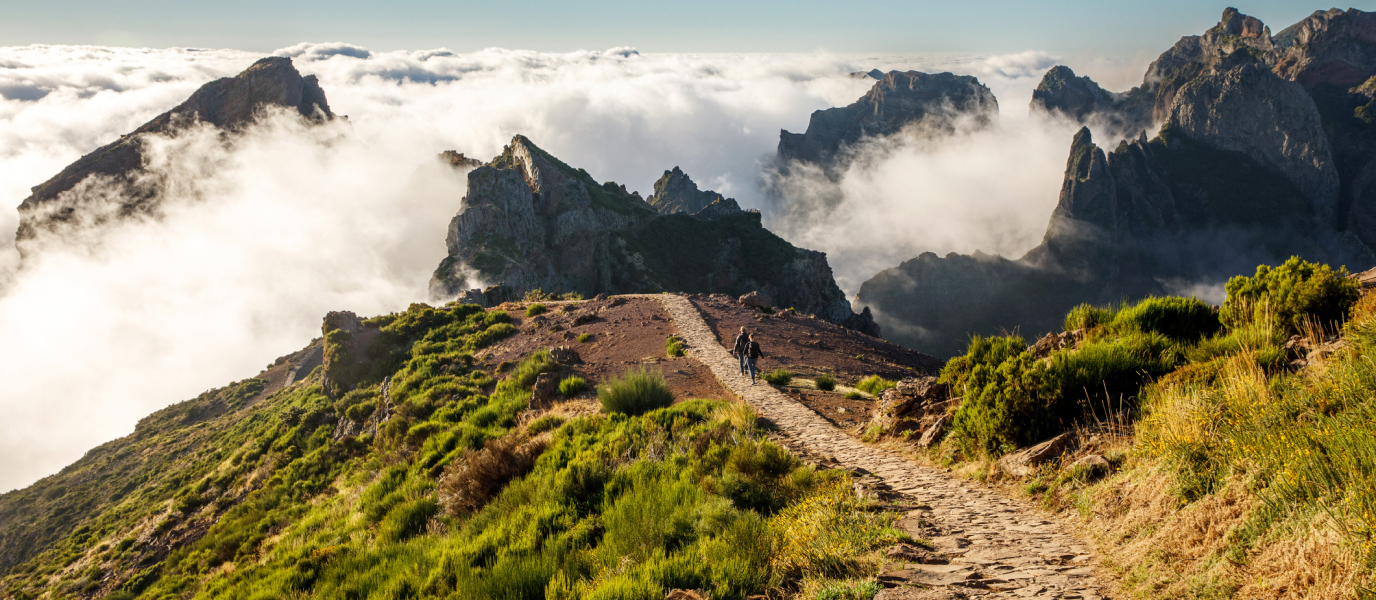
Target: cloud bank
<point>270,231</point>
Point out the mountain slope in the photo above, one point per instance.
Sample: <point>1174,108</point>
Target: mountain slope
<point>229,104</point>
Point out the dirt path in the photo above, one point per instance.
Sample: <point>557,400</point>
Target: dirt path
<point>996,547</point>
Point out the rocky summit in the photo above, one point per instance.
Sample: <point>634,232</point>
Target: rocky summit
<point>675,192</point>
<point>229,103</point>
<point>898,100</point>
<point>1257,160</point>
<point>531,222</point>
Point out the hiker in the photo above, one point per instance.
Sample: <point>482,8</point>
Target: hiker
<point>742,342</point>
<point>753,354</point>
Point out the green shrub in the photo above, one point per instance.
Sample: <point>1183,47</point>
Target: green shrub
<point>572,386</point>
<point>853,395</point>
<point>535,309</point>
<point>1087,317</point>
<point>545,423</point>
<point>825,382</point>
<point>635,392</point>
<point>1181,319</point>
<point>673,346</point>
<point>1292,292</point>
<point>779,376</point>
<point>584,337</point>
<point>874,384</point>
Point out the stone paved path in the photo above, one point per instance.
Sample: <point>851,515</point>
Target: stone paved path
<point>991,546</point>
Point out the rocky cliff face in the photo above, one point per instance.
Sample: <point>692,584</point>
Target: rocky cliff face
<point>675,192</point>
<point>230,103</point>
<point>1151,217</point>
<point>529,222</point>
<point>897,101</point>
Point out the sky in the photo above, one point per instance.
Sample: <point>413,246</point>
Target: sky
<point>700,26</point>
<point>270,230</point>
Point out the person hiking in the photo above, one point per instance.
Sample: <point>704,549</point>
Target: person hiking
<point>753,354</point>
<point>742,343</point>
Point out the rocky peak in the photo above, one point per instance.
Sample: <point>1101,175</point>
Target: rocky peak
<point>458,160</point>
<point>1077,97</point>
<point>1333,46</point>
<point>229,103</point>
<point>899,100</point>
<point>1235,23</point>
<point>675,192</point>
<point>529,221</point>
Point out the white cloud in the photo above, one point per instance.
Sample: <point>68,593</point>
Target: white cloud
<point>295,222</point>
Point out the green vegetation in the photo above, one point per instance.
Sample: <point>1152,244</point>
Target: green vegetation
<point>1223,415</point>
<point>825,382</point>
<point>584,337</point>
<point>779,376</point>
<point>853,395</point>
<point>572,386</point>
<point>1294,293</point>
<point>635,392</point>
<point>673,346</point>
<point>874,384</point>
<point>535,309</point>
<point>453,496</point>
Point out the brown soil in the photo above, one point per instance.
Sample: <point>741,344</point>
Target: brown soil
<point>808,347</point>
<point>625,336</point>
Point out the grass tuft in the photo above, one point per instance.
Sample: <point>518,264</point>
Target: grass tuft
<point>635,392</point>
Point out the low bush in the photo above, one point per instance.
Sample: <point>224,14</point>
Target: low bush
<point>572,386</point>
<point>471,481</point>
<point>673,346</point>
<point>635,392</point>
<point>535,309</point>
<point>853,395</point>
<point>1087,317</point>
<point>584,337</point>
<point>1180,319</point>
<point>874,384</point>
<point>779,376</point>
<point>1293,292</point>
<point>825,382</point>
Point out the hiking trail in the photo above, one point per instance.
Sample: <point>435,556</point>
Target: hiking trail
<point>996,547</point>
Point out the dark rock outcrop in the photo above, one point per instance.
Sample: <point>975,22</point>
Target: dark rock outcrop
<point>899,100</point>
<point>1130,223</point>
<point>230,104</point>
<point>529,221</point>
<point>675,192</point>
<point>1079,98</point>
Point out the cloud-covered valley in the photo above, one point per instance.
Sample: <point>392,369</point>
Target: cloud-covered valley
<point>269,231</point>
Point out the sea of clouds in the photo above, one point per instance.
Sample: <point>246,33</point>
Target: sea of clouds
<point>263,235</point>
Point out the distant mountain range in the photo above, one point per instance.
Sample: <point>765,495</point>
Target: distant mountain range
<point>1267,149</point>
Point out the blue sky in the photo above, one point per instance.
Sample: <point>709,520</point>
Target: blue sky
<point>702,26</point>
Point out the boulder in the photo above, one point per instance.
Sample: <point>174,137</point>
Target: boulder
<point>1025,462</point>
<point>565,355</point>
<point>932,434</point>
<point>756,300</point>
<point>1093,463</point>
<point>545,392</point>
<point>458,161</point>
